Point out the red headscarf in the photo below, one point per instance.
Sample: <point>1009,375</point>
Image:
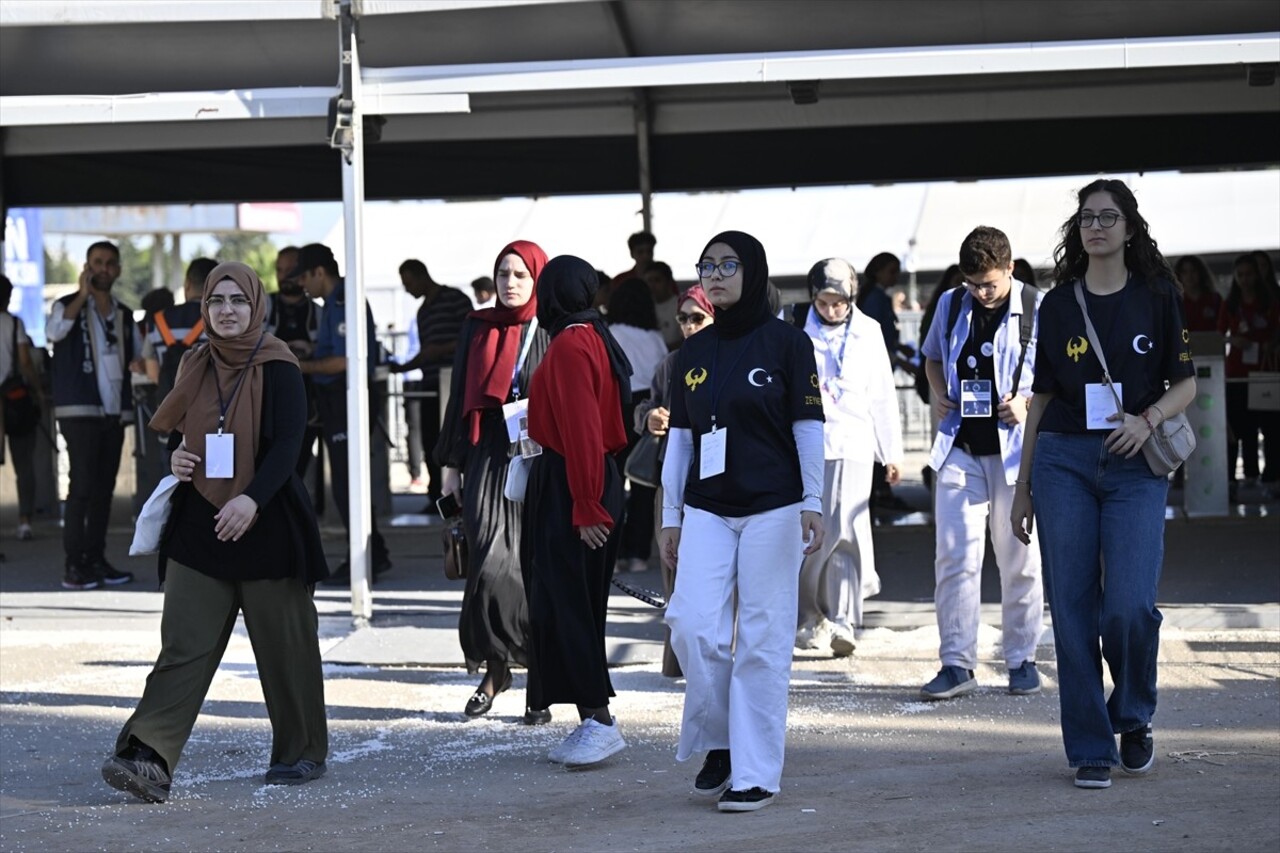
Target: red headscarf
<point>495,344</point>
<point>699,296</point>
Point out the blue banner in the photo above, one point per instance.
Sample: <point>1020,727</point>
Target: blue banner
<point>24,265</point>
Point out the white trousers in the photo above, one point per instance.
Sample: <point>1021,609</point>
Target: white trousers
<point>835,580</point>
<point>972,496</point>
<point>735,696</point>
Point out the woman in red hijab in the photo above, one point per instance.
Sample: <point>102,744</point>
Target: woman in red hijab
<point>501,347</point>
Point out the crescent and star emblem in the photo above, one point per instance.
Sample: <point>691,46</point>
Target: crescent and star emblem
<point>1186,336</point>
<point>1143,344</point>
<point>1077,347</point>
<point>813,379</point>
<point>751,377</point>
<point>695,377</point>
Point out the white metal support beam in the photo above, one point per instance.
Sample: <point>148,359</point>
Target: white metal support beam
<point>349,139</point>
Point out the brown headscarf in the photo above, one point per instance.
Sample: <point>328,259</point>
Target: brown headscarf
<point>192,406</point>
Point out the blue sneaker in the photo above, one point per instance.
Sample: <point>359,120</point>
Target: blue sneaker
<point>950,682</point>
<point>1024,680</point>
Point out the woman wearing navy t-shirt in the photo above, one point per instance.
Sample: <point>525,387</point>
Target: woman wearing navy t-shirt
<point>742,494</point>
<point>1099,502</point>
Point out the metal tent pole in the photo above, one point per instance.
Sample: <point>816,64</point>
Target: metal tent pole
<point>348,136</point>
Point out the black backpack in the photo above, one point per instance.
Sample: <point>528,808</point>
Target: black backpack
<point>174,351</point>
<point>1025,327</point>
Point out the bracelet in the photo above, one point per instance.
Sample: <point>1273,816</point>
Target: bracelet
<point>1147,420</point>
<point>1022,482</point>
<point>1160,410</point>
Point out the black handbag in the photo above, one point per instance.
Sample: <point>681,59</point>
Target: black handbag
<point>642,465</point>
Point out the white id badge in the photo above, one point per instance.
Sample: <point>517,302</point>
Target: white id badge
<point>219,455</point>
<point>1099,404</point>
<point>513,413</point>
<point>111,366</point>
<point>975,398</point>
<point>1250,353</point>
<point>711,461</point>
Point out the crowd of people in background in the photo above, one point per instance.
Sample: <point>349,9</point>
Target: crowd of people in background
<point>777,435</point>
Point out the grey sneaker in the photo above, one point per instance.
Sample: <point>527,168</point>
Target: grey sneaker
<point>1093,777</point>
<point>1137,751</point>
<point>1024,680</point>
<point>139,772</point>
<point>950,682</point>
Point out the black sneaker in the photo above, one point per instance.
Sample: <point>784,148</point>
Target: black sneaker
<point>108,573</point>
<point>139,771</point>
<point>1137,751</point>
<point>77,577</point>
<point>1093,777</point>
<point>713,778</point>
<point>744,801</point>
<point>294,774</point>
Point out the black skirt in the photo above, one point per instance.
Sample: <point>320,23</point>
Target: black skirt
<point>494,623</point>
<point>568,588</point>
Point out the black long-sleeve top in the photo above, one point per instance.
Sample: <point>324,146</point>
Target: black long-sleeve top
<point>284,541</point>
<point>454,443</point>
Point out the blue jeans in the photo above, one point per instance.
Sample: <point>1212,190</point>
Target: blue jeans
<point>1100,519</point>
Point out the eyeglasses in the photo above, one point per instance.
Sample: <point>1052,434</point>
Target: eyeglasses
<point>988,285</point>
<point>1105,219</point>
<point>216,302</point>
<point>727,268</point>
<point>696,318</point>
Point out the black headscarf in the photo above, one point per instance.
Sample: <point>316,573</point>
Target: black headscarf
<point>752,308</point>
<point>566,289</point>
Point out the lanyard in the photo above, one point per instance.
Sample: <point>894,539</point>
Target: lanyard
<point>715,356</point>
<point>844,341</point>
<point>108,344</point>
<point>524,354</point>
<point>224,405</point>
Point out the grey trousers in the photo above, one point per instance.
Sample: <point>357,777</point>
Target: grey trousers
<point>199,616</point>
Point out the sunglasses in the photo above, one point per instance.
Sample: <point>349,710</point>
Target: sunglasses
<point>696,318</point>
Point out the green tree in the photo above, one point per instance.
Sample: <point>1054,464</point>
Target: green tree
<point>135,272</point>
<point>254,249</point>
<point>58,266</point>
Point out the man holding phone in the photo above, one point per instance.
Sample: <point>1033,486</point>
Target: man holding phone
<point>95,345</point>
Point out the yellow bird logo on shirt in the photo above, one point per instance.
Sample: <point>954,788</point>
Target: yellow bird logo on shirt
<point>695,377</point>
<point>1077,347</point>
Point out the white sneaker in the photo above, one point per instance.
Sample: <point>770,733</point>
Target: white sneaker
<point>814,636</point>
<point>557,753</point>
<point>24,532</point>
<point>596,743</point>
<point>842,642</point>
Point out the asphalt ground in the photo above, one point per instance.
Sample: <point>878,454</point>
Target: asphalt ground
<point>869,766</point>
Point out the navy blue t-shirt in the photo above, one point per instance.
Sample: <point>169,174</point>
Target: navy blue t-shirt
<point>1142,332</point>
<point>759,384</point>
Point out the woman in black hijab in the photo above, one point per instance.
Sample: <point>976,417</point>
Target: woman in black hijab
<point>742,497</point>
<point>573,507</point>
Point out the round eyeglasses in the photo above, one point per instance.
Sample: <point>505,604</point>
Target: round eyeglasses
<point>706,268</point>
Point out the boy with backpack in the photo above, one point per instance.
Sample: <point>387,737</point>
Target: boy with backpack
<point>980,363</point>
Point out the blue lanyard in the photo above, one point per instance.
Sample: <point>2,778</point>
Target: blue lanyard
<point>715,356</point>
<point>843,343</point>
<point>524,354</point>
<point>224,405</point>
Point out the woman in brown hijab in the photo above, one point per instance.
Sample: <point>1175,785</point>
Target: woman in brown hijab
<point>241,537</point>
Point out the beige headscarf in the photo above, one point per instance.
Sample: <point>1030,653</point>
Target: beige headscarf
<point>192,407</point>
